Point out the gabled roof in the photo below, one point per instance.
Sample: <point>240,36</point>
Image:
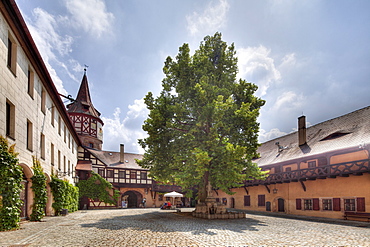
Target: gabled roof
<point>112,159</point>
<point>83,103</point>
<point>347,131</point>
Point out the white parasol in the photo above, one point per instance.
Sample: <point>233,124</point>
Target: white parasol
<point>173,194</point>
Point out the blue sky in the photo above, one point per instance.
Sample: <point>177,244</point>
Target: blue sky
<point>308,57</point>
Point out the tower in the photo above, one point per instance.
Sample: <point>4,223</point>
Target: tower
<point>85,118</point>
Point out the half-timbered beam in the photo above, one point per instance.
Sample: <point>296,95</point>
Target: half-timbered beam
<point>303,185</point>
<point>268,189</point>
<point>246,190</point>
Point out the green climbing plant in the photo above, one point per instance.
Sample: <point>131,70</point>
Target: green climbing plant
<point>65,195</point>
<point>97,187</point>
<point>39,190</point>
<point>10,187</point>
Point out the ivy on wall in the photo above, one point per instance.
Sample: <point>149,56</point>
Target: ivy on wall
<point>65,195</point>
<point>97,187</point>
<point>39,190</point>
<point>10,187</point>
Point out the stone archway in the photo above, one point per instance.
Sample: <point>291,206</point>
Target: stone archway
<point>134,198</point>
<point>26,194</point>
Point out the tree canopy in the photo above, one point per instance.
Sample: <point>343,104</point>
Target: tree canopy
<point>202,128</point>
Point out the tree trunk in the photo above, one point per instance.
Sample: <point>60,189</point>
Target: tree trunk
<point>203,192</point>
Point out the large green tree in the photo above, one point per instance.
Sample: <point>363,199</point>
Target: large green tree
<point>202,128</point>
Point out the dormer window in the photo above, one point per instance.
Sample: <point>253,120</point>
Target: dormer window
<point>334,135</point>
<point>85,107</point>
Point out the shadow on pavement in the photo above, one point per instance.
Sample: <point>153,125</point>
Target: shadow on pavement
<point>158,221</point>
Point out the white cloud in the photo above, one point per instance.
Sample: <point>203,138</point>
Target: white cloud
<point>211,20</point>
<point>264,136</point>
<point>127,131</point>
<point>49,42</point>
<point>90,15</point>
<point>288,60</point>
<point>46,27</point>
<point>288,101</point>
<point>256,65</point>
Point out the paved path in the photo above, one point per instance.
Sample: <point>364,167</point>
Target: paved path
<point>152,227</point>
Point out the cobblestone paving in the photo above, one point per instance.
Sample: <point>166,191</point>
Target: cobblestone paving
<point>152,227</point>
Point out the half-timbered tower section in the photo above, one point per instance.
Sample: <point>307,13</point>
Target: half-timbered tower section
<point>322,170</point>
<point>85,118</point>
<point>32,115</point>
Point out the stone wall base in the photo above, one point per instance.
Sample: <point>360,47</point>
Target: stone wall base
<point>211,209</point>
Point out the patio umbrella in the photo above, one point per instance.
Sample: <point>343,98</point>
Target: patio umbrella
<point>173,194</point>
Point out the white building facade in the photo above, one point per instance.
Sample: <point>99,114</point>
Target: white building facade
<point>32,115</point>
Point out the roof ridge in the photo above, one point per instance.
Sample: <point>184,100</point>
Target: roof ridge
<point>320,123</point>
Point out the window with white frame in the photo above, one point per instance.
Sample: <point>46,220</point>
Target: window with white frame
<point>349,204</point>
<point>327,204</point>
<point>308,204</point>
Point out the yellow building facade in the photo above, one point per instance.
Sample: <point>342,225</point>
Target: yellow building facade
<point>320,171</point>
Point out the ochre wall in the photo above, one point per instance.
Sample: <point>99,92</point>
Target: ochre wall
<point>341,187</point>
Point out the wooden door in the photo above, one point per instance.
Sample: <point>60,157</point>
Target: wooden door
<point>281,207</point>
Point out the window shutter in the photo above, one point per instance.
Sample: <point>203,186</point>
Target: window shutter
<point>316,204</point>
<point>261,200</point>
<point>247,200</point>
<point>361,204</point>
<point>336,204</point>
<point>298,204</point>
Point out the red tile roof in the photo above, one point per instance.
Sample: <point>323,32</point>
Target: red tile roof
<point>83,103</point>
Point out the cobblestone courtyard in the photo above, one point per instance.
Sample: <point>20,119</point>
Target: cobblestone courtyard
<point>152,227</point>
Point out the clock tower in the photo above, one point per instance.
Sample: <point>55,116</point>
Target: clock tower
<point>85,118</point>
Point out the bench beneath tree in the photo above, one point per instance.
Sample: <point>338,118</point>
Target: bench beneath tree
<point>362,215</point>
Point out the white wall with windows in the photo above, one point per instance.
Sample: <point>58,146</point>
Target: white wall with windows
<point>29,114</point>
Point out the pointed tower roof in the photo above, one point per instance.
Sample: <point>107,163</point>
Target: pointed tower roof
<point>82,103</point>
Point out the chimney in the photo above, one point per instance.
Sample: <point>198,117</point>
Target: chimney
<point>122,153</point>
<point>302,130</point>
